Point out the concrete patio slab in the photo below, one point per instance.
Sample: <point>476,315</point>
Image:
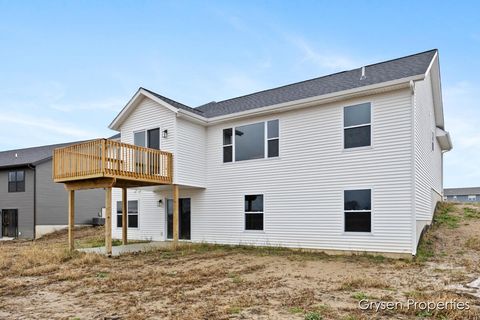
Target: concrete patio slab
<point>129,248</point>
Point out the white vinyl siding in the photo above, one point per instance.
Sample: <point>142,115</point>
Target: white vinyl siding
<point>428,160</point>
<point>305,184</point>
<point>303,187</point>
<point>147,115</point>
<point>190,154</point>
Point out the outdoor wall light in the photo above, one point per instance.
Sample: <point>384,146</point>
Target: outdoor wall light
<point>165,133</point>
<point>160,203</point>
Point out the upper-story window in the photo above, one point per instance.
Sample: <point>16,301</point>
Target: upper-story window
<point>357,126</point>
<point>16,181</point>
<point>251,142</point>
<point>147,138</point>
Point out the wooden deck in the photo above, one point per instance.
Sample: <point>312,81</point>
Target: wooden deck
<point>104,163</point>
<point>129,165</point>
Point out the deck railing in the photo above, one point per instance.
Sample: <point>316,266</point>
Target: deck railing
<point>107,158</point>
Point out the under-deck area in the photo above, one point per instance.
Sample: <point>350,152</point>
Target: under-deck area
<point>108,164</point>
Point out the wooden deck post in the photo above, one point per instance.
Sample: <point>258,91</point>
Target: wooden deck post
<point>175,215</point>
<point>71,219</point>
<point>124,216</point>
<point>108,220</point>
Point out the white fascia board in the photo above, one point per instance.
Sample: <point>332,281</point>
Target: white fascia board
<point>326,98</point>
<point>301,103</point>
<point>436,82</point>
<point>192,117</point>
<point>132,103</point>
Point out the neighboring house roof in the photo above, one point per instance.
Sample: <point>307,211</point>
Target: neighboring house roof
<point>115,137</point>
<point>409,66</point>
<point>461,191</point>
<point>28,156</point>
<point>33,155</point>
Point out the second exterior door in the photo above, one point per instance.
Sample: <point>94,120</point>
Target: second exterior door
<point>184,223</point>
<point>10,223</point>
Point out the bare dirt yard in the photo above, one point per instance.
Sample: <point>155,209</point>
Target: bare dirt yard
<point>41,280</point>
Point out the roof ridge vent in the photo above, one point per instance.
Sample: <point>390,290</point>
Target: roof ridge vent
<point>363,76</point>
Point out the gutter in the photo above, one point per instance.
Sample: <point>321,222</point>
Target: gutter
<point>307,102</point>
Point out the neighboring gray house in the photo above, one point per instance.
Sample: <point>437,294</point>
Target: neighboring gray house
<point>462,194</point>
<point>31,204</point>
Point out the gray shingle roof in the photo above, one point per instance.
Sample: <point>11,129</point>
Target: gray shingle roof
<point>408,66</point>
<point>461,191</point>
<point>28,156</point>
<point>174,103</point>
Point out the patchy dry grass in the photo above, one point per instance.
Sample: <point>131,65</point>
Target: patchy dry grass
<point>40,279</point>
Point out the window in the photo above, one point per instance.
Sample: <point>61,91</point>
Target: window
<point>357,126</point>
<point>254,212</point>
<point>16,181</point>
<point>251,142</point>
<point>358,210</point>
<point>227,145</point>
<point>147,138</point>
<point>272,138</point>
<point>472,198</point>
<point>132,216</point>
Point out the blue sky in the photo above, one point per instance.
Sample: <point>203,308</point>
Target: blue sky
<point>67,67</point>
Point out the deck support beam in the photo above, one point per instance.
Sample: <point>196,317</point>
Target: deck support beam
<point>124,216</point>
<point>175,215</point>
<point>108,221</point>
<point>71,219</point>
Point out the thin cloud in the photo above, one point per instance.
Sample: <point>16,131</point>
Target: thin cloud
<point>332,61</point>
<point>113,104</point>
<point>45,124</point>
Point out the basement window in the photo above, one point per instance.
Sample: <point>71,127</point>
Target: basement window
<point>357,129</point>
<point>16,181</point>
<point>358,210</point>
<point>132,216</point>
<point>254,212</point>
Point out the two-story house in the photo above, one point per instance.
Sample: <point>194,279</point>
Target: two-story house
<point>350,161</point>
<point>31,204</point>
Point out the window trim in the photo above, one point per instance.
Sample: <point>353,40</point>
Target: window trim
<point>371,124</point>
<point>228,145</point>
<point>119,215</point>
<point>253,212</point>
<point>16,181</point>
<point>266,139</point>
<point>372,215</point>
<point>144,130</point>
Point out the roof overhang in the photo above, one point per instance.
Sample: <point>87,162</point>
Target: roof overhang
<point>443,138</point>
<point>135,100</point>
<point>397,84</point>
<point>436,80</point>
<point>402,83</point>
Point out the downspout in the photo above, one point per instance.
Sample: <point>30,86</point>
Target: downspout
<point>414,213</point>
<point>34,200</point>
